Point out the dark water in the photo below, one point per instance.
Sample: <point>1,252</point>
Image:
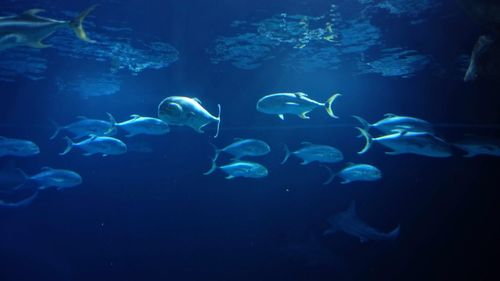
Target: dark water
<point>150,214</point>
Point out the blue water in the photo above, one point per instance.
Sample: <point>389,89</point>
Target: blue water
<point>150,214</point>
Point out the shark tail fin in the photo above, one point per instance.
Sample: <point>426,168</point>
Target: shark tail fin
<point>76,24</point>
<point>393,235</point>
<point>363,122</point>
<point>56,132</point>
<point>331,175</point>
<point>212,168</point>
<point>287,154</point>
<point>328,105</point>
<point>368,138</point>
<point>218,121</point>
<point>68,147</point>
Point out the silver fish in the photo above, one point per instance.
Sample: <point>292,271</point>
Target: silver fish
<point>141,125</point>
<point>184,111</point>
<point>355,172</point>
<point>244,147</point>
<point>401,142</point>
<point>30,29</point>
<point>479,146</point>
<point>85,127</point>
<point>315,152</point>
<point>349,222</point>
<point>243,169</point>
<point>58,178</point>
<point>293,103</point>
<point>17,147</point>
<point>393,121</point>
<point>97,145</point>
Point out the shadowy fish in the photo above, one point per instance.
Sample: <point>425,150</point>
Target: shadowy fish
<point>97,145</point>
<point>20,203</point>
<point>85,127</point>
<point>315,152</point>
<point>479,146</point>
<point>58,178</point>
<point>141,125</point>
<point>392,121</point>
<point>30,29</point>
<point>244,147</point>
<point>184,111</point>
<point>243,169</point>
<point>401,142</point>
<point>355,172</point>
<point>17,147</point>
<point>482,55</point>
<point>349,222</point>
<point>293,103</point>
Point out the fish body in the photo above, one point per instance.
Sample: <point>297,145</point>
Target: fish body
<point>393,122</point>
<point>142,125</point>
<point>298,104</point>
<point>61,179</point>
<point>244,147</point>
<point>17,147</point>
<point>479,146</point>
<point>315,152</point>
<point>243,169</point>
<point>97,145</point>
<point>85,127</point>
<point>185,111</point>
<point>349,222</point>
<point>356,172</point>
<point>30,29</point>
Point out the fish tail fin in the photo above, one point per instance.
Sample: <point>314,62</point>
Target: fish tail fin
<point>68,147</point>
<point>394,234</point>
<point>217,152</point>
<point>287,154</point>
<point>112,121</point>
<point>212,168</point>
<point>328,105</point>
<point>331,175</point>
<point>363,122</point>
<point>24,176</point>
<point>368,138</point>
<point>76,24</point>
<point>56,132</point>
<point>218,121</point>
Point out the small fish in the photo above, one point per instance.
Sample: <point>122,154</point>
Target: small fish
<point>85,127</point>
<point>293,103</point>
<point>392,122</point>
<point>349,222</point>
<point>30,29</point>
<point>315,152</point>
<point>58,178</point>
<point>401,142</point>
<point>17,147</point>
<point>479,146</point>
<point>244,147</point>
<point>97,145</point>
<point>355,172</point>
<point>20,203</point>
<point>184,111</point>
<point>243,169</point>
<point>141,125</point>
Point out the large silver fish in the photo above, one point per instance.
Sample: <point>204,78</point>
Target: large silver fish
<point>17,147</point>
<point>97,145</point>
<point>184,111</point>
<point>85,127</point>
<point>349,222</point>
<point>293,103</point>
<point>58,178</point>
<point>244,147</point>
<point>141,125</point>
<point>355,172</point>
<point>315,152</point>
<point>30,29</point>
<point>393,121</point>
<point>245,169</point>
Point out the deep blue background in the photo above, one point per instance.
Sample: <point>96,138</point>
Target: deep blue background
<point>153,216</point>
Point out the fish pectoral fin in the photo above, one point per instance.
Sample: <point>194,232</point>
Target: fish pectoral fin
<point>292,103</point>
<point>305,162</point>
<point>39,45</point>
<point>230,177</point>
<point>33,12</point>
<point>303,115</point>
<point>281,116</point>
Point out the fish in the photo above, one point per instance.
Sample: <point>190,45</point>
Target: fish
<point>475,146</point>
<point>185,111</point>
<point>404,142</point>
<point>349,222</point>
<point>243,169</point>
<point>20,203</point>
<point>244,147</point>
<point>17,147</point>
<point>30,29</point>
<point>355,172</point>
<point>85,127</point>
<point>393,121</point>
<point>479,58</point>
<point>141,125</point>
<point>97,145</point>
<point>49,177</point>
<point>315,152</point>
<point>293,103</point>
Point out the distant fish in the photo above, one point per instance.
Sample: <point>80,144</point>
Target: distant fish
<point>315,152</point>
<point>141,125</point>
<point>475,146</point>
<point>48,177</point>
<point>20,203</point>
<point>392,121</point>
<point>244,147</point>
<point>401,142</point>
<point>85,127</point>
<point>479,58</point>
<point>349,222</point>
<point>30,29</point>
<point>184,111</point>
<point>293,103</point>
<point>243,169</point>
<point>355,172</point>
<point>17,147</point>
<point>97,145</point>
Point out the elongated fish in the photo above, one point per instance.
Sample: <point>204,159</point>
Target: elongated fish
<point>58,178</point>
<point>17,147</point>
<point>243,169</point>
<point>293,103</point>
<point>141,125</point>
<point>315,152</point>
<point>475,146</point>
<point>30,29</point>
<point>97,145</point>
<point>85,127</point>
<point>393,121</point>
<point>355,172</point>
<point>244,147</point>
<point>184,111</point>
<point>20,203</point>
<point>349,222</point>
<point>401,142</point>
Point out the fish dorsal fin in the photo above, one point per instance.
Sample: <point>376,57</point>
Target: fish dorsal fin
<point>352,209</point>
<point>81,117</point>
<point>197,100</point>
<point>390,115</point>
<point>92,137</point>
<point>350,164</point>
<point>32,12</point>
<point>46,169</point>
<point>135,116</point>
<point>300,94</point>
